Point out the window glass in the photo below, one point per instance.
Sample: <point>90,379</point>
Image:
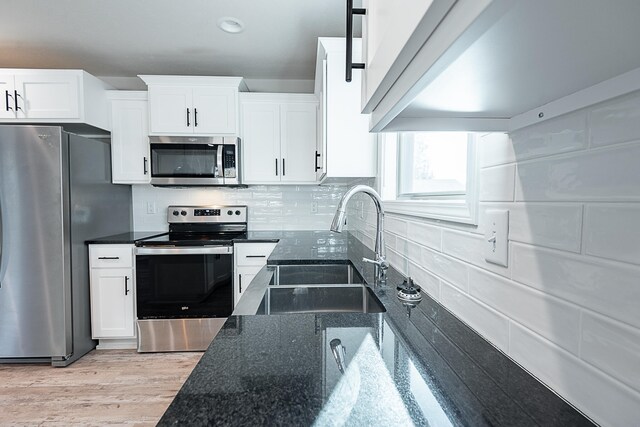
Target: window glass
<point>432,164</point>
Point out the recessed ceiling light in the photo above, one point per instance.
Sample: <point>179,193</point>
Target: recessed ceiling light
<point>231,25</point>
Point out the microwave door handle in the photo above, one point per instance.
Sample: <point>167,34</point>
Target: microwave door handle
<point>220,170</point>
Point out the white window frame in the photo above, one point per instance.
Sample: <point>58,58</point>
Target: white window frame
<point>462,209</point>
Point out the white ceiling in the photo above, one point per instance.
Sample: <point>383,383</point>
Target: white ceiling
<point>124,38</point>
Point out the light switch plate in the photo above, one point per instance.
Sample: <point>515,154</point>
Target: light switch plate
<point>496,238</point>
<point>151,208</point>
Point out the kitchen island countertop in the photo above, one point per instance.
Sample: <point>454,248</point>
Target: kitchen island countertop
<point>405,366</point>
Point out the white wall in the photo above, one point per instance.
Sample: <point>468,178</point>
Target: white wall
<point>270,207</point>
<point>567,308</point>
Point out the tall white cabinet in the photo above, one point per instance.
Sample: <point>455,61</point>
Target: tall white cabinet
<point>130,157</point>
<point>345,148</point>
<point>279,134</point>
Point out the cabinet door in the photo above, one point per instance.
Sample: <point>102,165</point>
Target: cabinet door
<point>214,111</point>
<point>129,142</point>
<point>244,276</point>
<point>112,314</point>
<point>48,95</point>
<point>321,143</point>
<point>7,105</point>
<point>298,123</point>
<point>261,142</point>
<point>170,110</point>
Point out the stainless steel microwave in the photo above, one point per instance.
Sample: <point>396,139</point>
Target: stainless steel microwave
<point>195,161</point>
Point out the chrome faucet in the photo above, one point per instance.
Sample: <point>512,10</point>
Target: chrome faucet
<point>338,224</point>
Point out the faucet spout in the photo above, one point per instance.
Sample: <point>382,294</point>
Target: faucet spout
<point>338,223</point>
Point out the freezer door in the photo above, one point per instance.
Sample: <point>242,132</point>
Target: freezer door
<point>35,294</point>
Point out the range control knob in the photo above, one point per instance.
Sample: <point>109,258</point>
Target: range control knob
<point>183,213</point>
<point>237,212</point>
<point>176,213</point>
<point>229,212</point>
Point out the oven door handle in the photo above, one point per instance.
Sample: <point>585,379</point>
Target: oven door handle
<point>204,250</point>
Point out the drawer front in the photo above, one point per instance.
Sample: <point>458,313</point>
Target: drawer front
<point>111,256</point>
<point>253,253</point>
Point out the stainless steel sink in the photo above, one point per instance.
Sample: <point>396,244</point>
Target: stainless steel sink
<point>315,274</point>
<point>334,298</point>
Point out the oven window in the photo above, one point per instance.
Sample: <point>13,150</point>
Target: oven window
<point>177,286</point>
<point>184,160</point>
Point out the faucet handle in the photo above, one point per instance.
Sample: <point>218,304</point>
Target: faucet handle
<point>380,262</point>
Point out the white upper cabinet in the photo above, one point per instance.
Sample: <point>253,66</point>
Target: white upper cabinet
<point>489,65</point>
<point>345,147</point>
<point>279,133</point>
<point>194,106</point>
<point>53,96</point>
<point>129,137</point>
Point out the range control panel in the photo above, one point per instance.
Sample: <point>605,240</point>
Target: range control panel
<point>213,214</point>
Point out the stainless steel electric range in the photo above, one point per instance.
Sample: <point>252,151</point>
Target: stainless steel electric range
<point>184,279</point>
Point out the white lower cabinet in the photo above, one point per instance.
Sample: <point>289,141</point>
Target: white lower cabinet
<point>249,258</point>
<point>112,285</point>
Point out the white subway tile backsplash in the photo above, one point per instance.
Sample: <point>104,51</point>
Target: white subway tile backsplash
<point>445,267</point>
<point>495,149</point>
<point>613,231</point>
<point>469,248</point>
<point>597,175</point>
<point>554,319</point>
<point>609,288</point>
<point>605,400</point>
<point>616,121</point>
<point>427,281</point>
<point>395,225</point>
<point>483,319</point>
<point>553,225</point>
<point>496,183</point>
<point>612,347</point>
<point>426,235</point>
<point>270,207</point>
<point>559,135</point>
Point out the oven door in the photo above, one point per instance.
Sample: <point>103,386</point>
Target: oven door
<point>176,283</point>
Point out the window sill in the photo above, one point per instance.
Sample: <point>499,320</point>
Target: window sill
<point>460,211</point>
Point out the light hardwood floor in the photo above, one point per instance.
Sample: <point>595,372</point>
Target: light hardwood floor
<point>115,387</point>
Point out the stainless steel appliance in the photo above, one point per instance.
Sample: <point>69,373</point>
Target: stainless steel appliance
<point>195,161</point>
<point>55,193</point>
<point>184,279</point>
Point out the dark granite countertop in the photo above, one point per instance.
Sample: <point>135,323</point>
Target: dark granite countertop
<point>125,238</point>
<point>405,366</point>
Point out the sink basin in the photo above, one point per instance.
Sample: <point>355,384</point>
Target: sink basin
<point>315,274</point>
<point>336,298</point>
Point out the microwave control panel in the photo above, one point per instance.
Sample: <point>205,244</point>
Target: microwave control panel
<point>229,160</point>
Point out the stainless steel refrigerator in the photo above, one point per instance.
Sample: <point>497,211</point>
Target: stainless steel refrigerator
<point>55,193</point>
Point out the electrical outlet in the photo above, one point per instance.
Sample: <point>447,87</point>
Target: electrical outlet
<point>151,208</point>
<point>360,209</point>
<point>314,207</point>
<point>496,244</point>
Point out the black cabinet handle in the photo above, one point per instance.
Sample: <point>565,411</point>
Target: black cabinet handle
<point>283,170</point>
<point>6,100</point>
<point>316,161</point>
<point>350,64</point>
<point>240,282</point>
<point>195,117</point>
<point>276,167</point>
<point>15,99</point>
<point>126,288</point>
<point>144,166</point>
<point>256,256</point>
<point>108,257</point>
<point>188,113</point>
